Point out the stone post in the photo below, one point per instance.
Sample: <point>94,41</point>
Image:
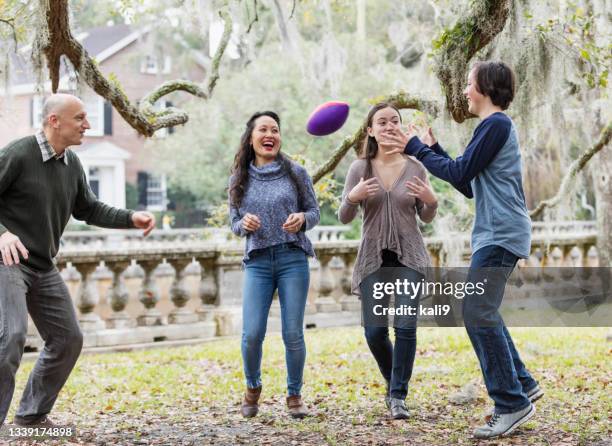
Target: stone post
<point>149,296</point>
<point>88,298</point>
<point>324,302</point>
<point>180,295</point>
<point>118,296</point>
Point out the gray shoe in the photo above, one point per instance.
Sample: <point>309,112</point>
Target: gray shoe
<point>503,424</point>
<point>398,409</point>
<point>534,394</point>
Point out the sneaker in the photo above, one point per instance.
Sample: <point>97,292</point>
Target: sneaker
<point>501,425</point>
<point>398,409</point>
<point>534,394</point>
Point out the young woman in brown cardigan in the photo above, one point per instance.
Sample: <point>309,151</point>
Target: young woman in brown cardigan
<point>390,190</point>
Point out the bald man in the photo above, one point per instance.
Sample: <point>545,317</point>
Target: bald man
<point>42,184</point>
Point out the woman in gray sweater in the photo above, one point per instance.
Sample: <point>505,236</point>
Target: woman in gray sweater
<point>272,202</point>
<point>390,189</point>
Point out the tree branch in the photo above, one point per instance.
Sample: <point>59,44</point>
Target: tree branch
<point>575,167</point>
<point>255,19</point>
<point>400,100</point>
<point>456,46</point>
<point>11,24</point>
<point>227,32</point>
<point>292,10</point>
<point>282,26</point>
<point>142,118</point>
<point>20,12</point>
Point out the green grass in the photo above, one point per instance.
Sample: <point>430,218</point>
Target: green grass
<point>196,390</point>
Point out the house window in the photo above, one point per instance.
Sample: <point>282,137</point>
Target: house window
<point>94,180</point>
<point>94,106</point>
<point>156,192</point>
<point>150,64</point>
<point>37,106</point>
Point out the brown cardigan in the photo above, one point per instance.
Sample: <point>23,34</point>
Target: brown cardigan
<point>389,221</point>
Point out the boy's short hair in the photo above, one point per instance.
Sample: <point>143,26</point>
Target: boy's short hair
<point>496,80</point>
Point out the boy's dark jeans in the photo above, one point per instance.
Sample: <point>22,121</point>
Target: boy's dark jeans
<point>506,377</point>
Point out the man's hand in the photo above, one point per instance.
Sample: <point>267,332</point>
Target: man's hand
<point>294,222</point>
<point>144,220</point>
<point>251,222</point>
<point>11,247</point>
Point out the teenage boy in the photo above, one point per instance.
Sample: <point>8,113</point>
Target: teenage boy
<point>490,172</point>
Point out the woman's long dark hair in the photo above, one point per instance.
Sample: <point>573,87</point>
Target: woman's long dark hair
<point>246,155</point>
<point>370,146</point>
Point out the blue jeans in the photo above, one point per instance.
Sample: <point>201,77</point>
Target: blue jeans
<point>395,362</point>
<point>506,377</point>
<point>285,267</point>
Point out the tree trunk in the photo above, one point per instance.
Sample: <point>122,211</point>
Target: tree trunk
<point>361,20</point>
<point>282,27</point>
<point>603,203</point>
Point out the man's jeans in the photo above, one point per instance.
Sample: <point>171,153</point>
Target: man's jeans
<point>45,296</point>
<point>283,267</point>
<point>506,378</point>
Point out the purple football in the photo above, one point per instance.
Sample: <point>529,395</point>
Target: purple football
<point>327,118</point>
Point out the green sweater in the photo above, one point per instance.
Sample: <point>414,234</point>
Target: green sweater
<point>37,199</point>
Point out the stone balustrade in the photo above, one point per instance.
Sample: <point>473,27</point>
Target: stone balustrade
<point>120,238</point>
<point>191,289</point>
<point>564,227</point>
<point>124,238</point>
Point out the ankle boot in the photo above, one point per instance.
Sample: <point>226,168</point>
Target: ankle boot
<point>296,407</point>
<point>250,405</point>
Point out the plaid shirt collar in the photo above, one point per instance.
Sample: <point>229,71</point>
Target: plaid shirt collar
<point>46,149</point>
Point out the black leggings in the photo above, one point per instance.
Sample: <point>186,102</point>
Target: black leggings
<point>395,363</point>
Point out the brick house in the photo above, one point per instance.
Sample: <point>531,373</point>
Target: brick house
<point>112,152</point>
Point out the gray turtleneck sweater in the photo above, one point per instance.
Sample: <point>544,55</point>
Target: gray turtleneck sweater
<point>272,195</point>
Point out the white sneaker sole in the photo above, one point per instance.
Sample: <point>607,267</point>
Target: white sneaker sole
<point>520,421</point>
